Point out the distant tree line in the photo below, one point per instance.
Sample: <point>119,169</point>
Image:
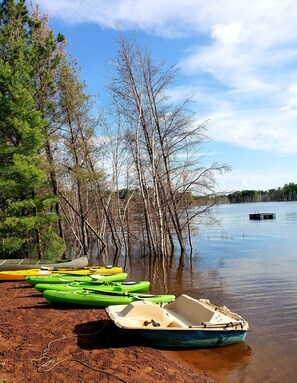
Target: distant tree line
<point>286,193</point>
<point>75,183</point>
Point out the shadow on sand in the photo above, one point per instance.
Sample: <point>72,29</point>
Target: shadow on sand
<point>103,334</point>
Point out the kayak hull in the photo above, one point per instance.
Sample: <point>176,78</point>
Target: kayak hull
<point>24,264</point>
<point>91,299</point>
<point>95,286</point>
<point>17,275</point>
<point>68,278</point>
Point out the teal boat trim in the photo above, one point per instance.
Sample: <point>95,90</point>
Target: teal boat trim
<point>186,339</point>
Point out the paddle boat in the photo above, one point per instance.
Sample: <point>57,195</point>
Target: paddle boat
<point>17,275</point>
<point>184,323</point>
<point>101,299</point>
<point>68,278</point>
<point>95,286</point>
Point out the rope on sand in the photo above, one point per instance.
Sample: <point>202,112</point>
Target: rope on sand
<point>53,362</point>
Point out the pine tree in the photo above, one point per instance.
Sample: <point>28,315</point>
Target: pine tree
<point>27,227</point>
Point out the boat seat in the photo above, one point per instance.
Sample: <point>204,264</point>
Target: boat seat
<point>177,320</point>
<point>146,314</point>
<point>189,311</point>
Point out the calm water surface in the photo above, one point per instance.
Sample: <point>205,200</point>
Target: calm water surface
<point>251,267</point>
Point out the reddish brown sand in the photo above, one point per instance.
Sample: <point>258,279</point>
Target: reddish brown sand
<point>40,343</point>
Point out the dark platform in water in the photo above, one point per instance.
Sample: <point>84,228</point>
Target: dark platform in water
<point>259,216</point>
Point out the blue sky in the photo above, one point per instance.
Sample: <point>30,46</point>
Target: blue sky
<point>238,58</point>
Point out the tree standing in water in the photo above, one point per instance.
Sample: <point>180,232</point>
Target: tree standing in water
<point>164,141</point>
<point>49,148</point>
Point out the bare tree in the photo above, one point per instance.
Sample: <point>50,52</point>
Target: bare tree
<point>165,142</point>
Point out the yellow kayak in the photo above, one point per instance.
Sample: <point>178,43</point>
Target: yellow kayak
<point>18,275</point>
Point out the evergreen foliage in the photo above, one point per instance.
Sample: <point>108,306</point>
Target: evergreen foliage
<point>286,193</point>
<point>27,225</point>
<point>49,147</point>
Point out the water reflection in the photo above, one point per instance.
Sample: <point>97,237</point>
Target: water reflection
<point>291,216</point>
<point>218,361</point>
<point>191,278</point>
<point>251,267</point>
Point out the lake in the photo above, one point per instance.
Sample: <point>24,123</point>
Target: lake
<point>250,267</point>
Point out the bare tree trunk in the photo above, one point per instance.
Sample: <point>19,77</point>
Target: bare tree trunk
<point>159,140</point>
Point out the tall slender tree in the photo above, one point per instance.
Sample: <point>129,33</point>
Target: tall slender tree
<point>47,59</point>
<point>27,226</point>
<point>82,192</point>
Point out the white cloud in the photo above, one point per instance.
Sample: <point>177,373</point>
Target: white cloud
<point>160,17</point>
<point>291,101</point>
<point>293,88</point>
<point>231,33</point>
<point>183,17</point>
<point>292,104</point>
<point>249,50</point>
<point>263,129</point>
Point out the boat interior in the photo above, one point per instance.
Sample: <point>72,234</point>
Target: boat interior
<point>184,312</point>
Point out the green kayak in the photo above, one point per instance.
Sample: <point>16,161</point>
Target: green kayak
<point>94,286</point>
<point>98,299</point>
<point>67,278</point>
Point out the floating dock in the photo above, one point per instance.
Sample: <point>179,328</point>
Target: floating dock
<point>259,216</point>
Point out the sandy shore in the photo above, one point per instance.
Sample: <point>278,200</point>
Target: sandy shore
<point>41,343</point>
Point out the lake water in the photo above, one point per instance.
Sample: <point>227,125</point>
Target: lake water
<point>250,267</point>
